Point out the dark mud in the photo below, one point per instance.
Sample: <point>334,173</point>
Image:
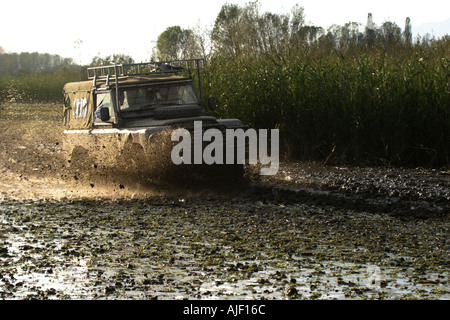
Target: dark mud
<point>217,248</point>
<point>310,232</point>
<point>415,192</point>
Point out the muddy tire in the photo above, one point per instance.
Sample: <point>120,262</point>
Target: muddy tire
<point>173,112</point>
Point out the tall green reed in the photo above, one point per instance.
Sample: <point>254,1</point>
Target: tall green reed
<point>364,107</point>
<point>38,87</point>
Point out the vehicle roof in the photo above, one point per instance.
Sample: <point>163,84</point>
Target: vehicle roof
<point>130,80</point>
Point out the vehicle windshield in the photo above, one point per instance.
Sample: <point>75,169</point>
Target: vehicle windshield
<point>147,98</point>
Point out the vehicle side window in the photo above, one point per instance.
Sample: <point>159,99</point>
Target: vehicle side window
<point>104,100</point>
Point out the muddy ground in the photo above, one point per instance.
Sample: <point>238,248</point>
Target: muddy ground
<point>310,232</point>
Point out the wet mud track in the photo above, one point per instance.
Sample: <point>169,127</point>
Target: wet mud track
<point>266,240</point>
<point>310,232</point>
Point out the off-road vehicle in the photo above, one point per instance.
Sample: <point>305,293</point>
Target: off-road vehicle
<point>121,116</point>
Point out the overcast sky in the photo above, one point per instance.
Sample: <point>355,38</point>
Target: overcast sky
<point>132,26</point>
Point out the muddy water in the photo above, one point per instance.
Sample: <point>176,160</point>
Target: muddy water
<point>266,240</point>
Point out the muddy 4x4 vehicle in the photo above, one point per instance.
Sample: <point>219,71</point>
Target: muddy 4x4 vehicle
<point>117,118</point>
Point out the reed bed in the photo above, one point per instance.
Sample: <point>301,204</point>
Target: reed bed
<point>363,107</point>
<point>38,87</point>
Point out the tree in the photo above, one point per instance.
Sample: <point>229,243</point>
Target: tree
<point>390,35</point>
<point>296,24</point>
<point>111,59</point>
<point>201,42</point>
<point>269,26</point>
<point>176,43</point>
<point>225,32</point>
<point>14,64</point>
<point>243,30</point>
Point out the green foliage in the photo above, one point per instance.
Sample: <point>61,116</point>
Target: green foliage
<point>349,95</point>
<point>244,30</point>
<point>176,43</point>
<point>35,77</point>
<point>39,87</point>
<point>359,106</point>
<point>16,64</point>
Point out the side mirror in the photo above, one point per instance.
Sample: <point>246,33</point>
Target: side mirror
<point>211,103</point>
<point>103,113</point>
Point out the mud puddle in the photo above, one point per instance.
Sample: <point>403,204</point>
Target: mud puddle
<point>242,248</point>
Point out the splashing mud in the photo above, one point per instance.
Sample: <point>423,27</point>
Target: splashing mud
<point>310,232</point>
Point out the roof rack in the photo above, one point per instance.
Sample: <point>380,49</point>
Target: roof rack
<point>145,68</point>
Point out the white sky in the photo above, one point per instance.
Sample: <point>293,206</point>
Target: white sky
<point>132,26</point>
